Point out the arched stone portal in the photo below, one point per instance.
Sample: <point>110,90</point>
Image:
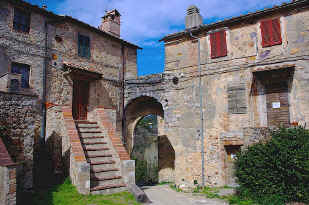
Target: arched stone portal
<point>137,109</point>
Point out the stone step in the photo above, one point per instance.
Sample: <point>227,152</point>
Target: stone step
<point>99,152</point>
<point>99,159</point>
<point>86,146</point>
<point>112,172</point>
<point>97,165</point>
<point>94,183</point>
<point>91,134</point>
<point>94,178</point>
<point>89,129</point>
<point>93,140</point>
<point>92,137</point>
<point>109,186</point>
<point>95,149</point>
<point>98,155</point>
<point>105,174</point>
<point>94,143</point>
<point>110,191</point>
<point>103,162</point>
<point>80,122</point>
<point>104,170</point>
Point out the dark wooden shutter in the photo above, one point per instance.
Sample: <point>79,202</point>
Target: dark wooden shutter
<point>84,46</point>
<point>218,44</point>
<point>87,47</point>
<point>237,101</point>
<point>223,45</point>
<point>266,32</point>
<point>213,45</point>
<point>276,32</point>
<point>271,32</point>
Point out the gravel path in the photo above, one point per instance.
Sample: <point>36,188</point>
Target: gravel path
<point>164,195</point>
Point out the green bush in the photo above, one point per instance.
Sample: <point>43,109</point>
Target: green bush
<point>277,171</point>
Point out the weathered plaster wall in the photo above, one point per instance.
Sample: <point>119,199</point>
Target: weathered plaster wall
<point>245,57</point>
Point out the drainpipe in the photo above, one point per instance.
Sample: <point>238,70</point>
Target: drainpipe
<point>43,122</point>
<point>201,107</point>
<point>122,84</point>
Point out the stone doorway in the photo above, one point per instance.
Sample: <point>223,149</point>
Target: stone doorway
<point>271,96</point>
<point>230,156</point>
<point>80,99</point>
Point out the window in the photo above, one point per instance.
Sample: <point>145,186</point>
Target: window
<point>83,46</point>
<point>237,102</point>
<point>218,44</point>
<point>21,21</point>
<point>271,32</point>
<point>24,70</point>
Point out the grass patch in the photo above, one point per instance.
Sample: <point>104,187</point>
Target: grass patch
<point>66,194</point>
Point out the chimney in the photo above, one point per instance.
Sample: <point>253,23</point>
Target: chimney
<point>111,23</point>
<point>193,18</point>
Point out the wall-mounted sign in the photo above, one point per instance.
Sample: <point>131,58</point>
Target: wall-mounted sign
<point>276,105</point>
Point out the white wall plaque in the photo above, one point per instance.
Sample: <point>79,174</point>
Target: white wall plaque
<point>276,105</point>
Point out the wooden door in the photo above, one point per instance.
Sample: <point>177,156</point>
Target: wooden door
<point>80,99</point>
<point>277,104</point>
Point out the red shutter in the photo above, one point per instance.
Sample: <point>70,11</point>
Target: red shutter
<point>223,44</point>
<point>218,44</point>
<point>266,30</point>
<point>213,45</point>
<point>276,34</point>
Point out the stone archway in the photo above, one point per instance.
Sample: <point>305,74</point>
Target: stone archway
<point>136,110</point>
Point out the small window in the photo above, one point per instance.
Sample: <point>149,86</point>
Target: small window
<point>237,102</point>
<point>21,21</point>
<point>83,46</point>
<point>24,70</point>
<point>271,32</point>
<point>218,44</point>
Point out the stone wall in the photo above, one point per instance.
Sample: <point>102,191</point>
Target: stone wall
<point>21,114</point>
<point>7,176</point>
<point>223,79</point>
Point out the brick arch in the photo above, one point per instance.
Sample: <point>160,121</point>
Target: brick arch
<point>134,111</point>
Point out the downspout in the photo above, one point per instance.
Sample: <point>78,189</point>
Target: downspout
<point>43,122</point>
<point>123,121</point>
<point>201,107</point>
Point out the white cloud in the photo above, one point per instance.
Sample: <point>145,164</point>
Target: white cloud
<point>146,20</point>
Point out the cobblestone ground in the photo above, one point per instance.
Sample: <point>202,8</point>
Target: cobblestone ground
<point>164,195</point>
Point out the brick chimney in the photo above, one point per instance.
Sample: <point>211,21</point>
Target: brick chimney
<point>193,18</point>
<point>111,23</point>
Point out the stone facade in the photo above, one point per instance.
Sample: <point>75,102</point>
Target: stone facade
<point>241,78</point>
<point>7,176</point>
<point>51,50</point>
<point>21,116</point>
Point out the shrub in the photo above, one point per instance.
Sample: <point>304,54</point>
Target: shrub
<point>277,171</point>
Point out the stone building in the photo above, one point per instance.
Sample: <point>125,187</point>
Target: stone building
<point>76,89</point>
<point>73,73</point>
<point>254,76</point>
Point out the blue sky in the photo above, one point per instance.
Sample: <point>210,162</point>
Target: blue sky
<point>144,22</point>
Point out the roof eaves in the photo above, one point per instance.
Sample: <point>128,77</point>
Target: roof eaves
<point>238,19</point>
<point>69,18</point>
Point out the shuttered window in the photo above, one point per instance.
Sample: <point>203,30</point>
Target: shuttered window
<point>83,46</point>
<point>24,70</point>
<point>271,32</point>
<point>218,44</point>
<point>237,101</point>
<point>21,21</point>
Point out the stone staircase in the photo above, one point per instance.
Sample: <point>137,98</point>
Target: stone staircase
<point>105,176</point>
